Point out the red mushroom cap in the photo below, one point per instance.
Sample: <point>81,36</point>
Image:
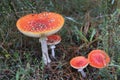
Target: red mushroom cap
<point>45,23</point>
<point>98,58</point>
<point>53,39</point>
<point>79,62</point>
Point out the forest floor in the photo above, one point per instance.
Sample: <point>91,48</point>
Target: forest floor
<point>89,25</point>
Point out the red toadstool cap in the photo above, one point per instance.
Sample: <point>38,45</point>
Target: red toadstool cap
<point>98,58</point>
<point>79,62</point>
<point>53,39</point>
<point>45,23</point>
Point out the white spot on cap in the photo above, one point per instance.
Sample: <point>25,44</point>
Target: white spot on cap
<point>51,20</point>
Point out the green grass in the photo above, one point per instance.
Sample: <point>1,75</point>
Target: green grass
<point>89,24</point>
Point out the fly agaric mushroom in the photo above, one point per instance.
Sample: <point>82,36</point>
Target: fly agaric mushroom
<point>98,58</point>
<point>79,63</point>
<point>40,26</point>
<point>53,40</point>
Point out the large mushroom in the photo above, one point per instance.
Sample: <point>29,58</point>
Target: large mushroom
<point>98,58</point>
<point>40,26</point>
<point>79,63</point>
<point>53,40</point>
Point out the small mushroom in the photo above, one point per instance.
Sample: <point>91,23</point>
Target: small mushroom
<point>53,40</point>
<point>79,63</point>
<point>40,26</point>
<point>98,58</point>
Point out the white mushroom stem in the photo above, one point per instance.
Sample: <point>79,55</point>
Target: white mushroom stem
<point>52,50</point>
<point>82,72</point>
<point>44,47</point>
